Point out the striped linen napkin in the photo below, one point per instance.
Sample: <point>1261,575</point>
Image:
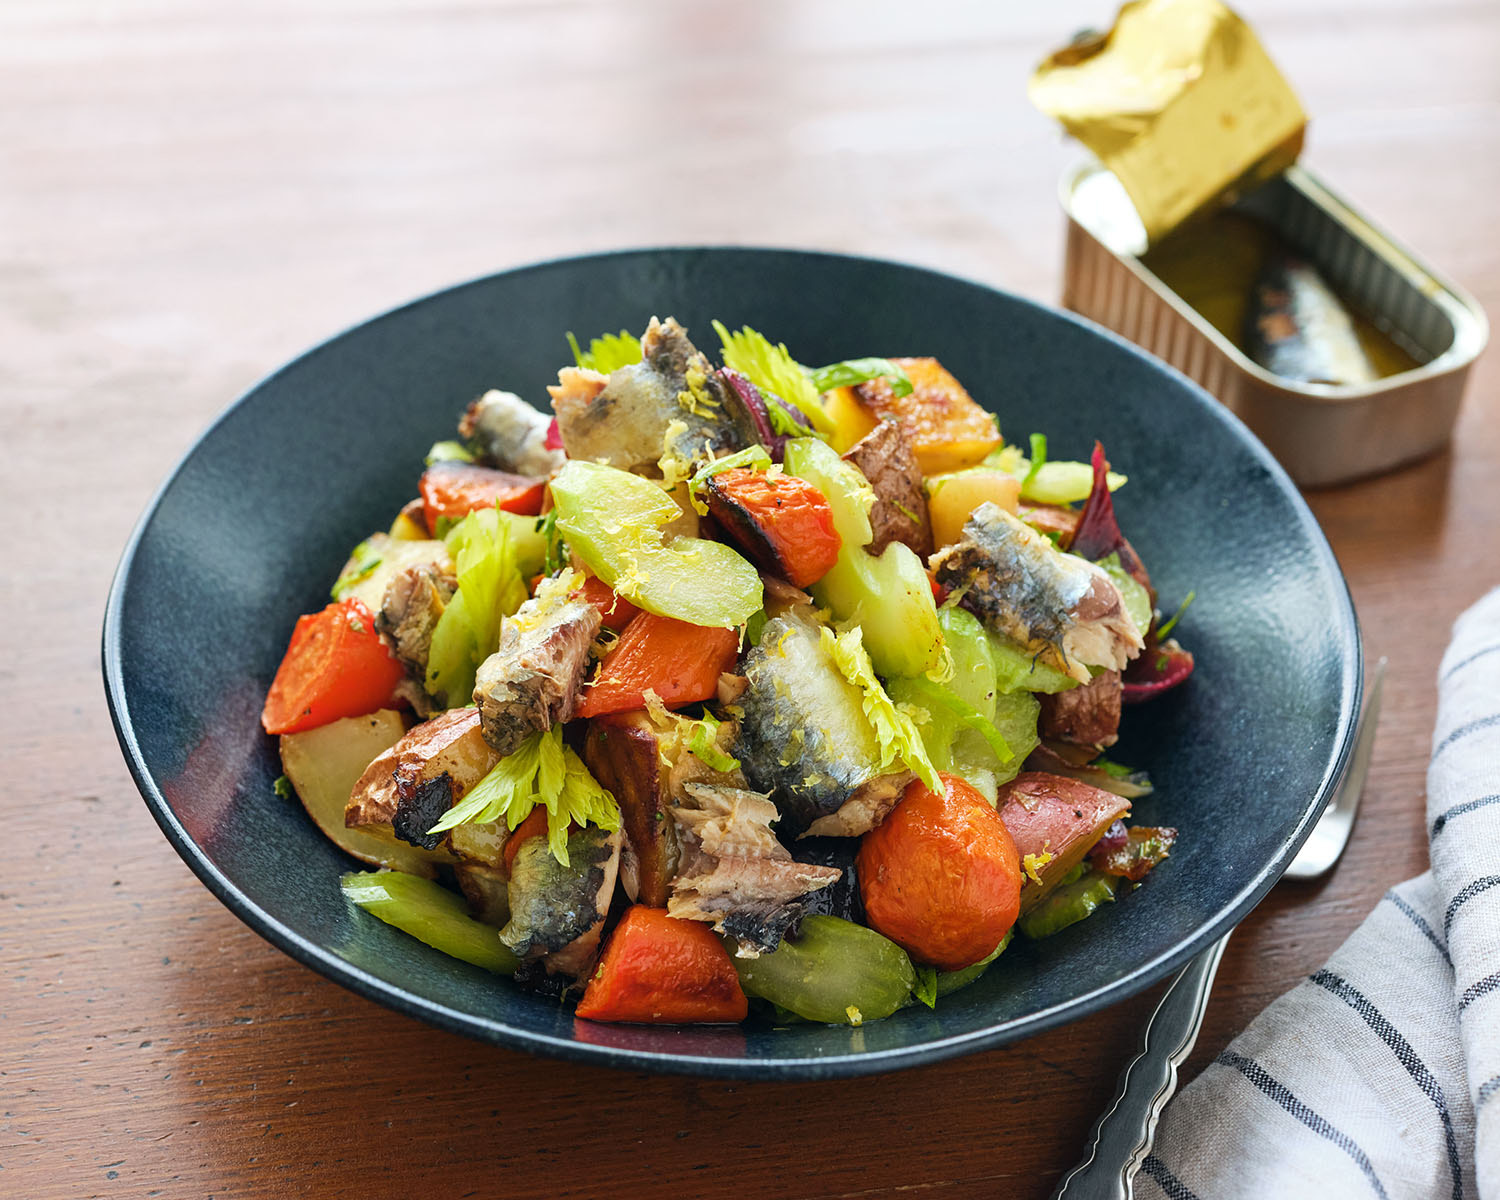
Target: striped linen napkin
<point>1379,1076</point>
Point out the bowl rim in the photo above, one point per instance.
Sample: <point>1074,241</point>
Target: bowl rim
<point>837,1066</point>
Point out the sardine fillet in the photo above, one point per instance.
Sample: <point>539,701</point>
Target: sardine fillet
<point>1063,608</point>
<point>532,681</point>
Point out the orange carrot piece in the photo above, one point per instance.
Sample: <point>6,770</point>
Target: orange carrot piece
<point>617,611</point>
<point>678,661</point>
<point>659,970</point>
<point>455,489</point>
<point>336,666</point>
<point>782,522</point>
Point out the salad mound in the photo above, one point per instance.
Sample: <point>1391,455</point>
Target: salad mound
<point>735,689</point>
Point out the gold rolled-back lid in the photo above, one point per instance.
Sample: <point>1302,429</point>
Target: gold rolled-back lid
<point>1180,101</point>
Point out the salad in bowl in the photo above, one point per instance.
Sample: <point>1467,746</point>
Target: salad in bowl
<point>733,689</point>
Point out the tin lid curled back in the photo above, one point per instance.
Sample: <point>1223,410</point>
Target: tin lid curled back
<point>1180,101</point>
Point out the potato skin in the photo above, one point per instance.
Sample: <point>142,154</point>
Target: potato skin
<point>1051,814</point>
<point>1085,716</point>
<point>449,744</point>
<point>885,458</point>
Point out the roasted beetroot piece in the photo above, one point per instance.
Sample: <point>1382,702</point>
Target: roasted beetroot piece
<point>1160,668</point>
<point>1131,851</point>
<point>1097,534</point>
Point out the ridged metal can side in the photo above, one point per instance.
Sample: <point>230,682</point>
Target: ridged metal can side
<point>1322,433</point>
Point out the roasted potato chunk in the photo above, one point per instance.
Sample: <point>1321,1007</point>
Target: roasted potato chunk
<point>323,765</point>
<point>413,783</point>
<point>946,429</point>
<point>1050,814</point>
<point>885,458</point>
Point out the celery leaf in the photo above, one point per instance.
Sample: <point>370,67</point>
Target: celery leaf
<point>895,731</point>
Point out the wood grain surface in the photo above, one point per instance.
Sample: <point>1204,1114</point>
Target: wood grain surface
<point>192,191</point>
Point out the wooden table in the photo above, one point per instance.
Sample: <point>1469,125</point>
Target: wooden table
<point>191,191</point>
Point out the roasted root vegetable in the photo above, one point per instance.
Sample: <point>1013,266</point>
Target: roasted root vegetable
<point>833,971</point>
<point>336,666</point>
<point>782,522</point>
<point>1160,668</point>
<point>940,876</point>
<point>455,489</point>
<point>680,662</point>
<point>615,612</point>
<point>614,522</point>
<point>659,970</point>
<point>430,913</point>
<point>851,419</point>
<point>899,514</point>
<point>325,763</point>
<point>946,429</point>
<point>407,788</point>
<point>1054,822</point>
<point>633,756</point>
<point>952,498</point>
<point>1087,715</point>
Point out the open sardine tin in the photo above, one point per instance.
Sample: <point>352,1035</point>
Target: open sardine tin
<point>1187,114</point>
<point>1322,433</point>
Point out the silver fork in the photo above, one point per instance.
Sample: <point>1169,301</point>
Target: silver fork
<point>1124,1135</point>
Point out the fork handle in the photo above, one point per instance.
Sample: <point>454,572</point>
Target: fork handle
<point>1124,1135</point>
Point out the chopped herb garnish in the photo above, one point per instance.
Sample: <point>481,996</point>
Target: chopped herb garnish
<point>282,787</point>
<point>1163,630</point>
<point>1038,458</point>
<point>860,370</point>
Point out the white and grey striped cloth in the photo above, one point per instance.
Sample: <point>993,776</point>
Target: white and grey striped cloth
<point>1379,1076</point>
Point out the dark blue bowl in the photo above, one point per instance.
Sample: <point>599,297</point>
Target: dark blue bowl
<point>251,526</point>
